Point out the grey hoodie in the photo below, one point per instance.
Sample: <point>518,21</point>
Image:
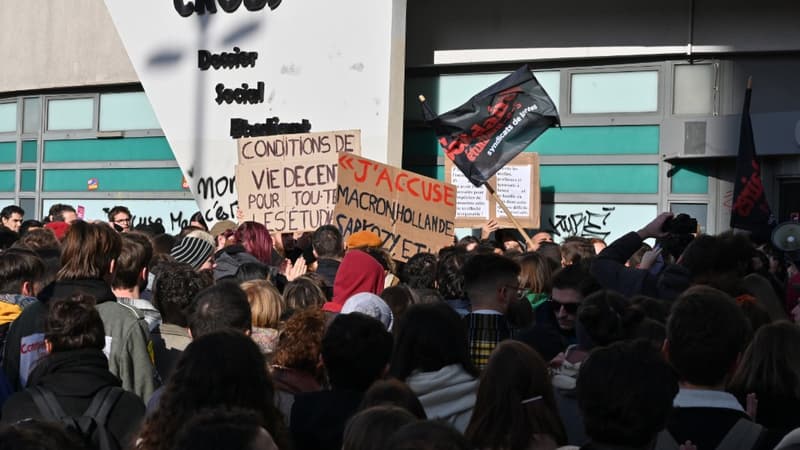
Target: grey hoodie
<point>447,394</point>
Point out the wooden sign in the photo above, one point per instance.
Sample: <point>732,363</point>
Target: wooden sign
<point>288,182</point>
<point>411,213</point>
<point>517,184</point>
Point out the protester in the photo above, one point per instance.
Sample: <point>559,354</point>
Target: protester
<point>223,369</point>
<point>450,280</point>
<point>296,366</point>
<point>706,335</point>
<point>11,217</point>
<point>173,291</point>
<point>393,392</point>
<point>195,249</point>
<point>87,264</point>
<point>74,375</point>
<point>215,429</point>
<point>369,429</point>
<point>39,435</point>
<point>570,286</point>
<point>490,282</point>
<point>266,307</point>
<point>358,272</point>
<point>625,394</point>
<point>120,218</point>
<point>21,274</point>
<point>61,212</point>
<point>515,408</point>
<point>427,435</point>
<point>355,352</point>
<point>328,249</point>
<point>432,356</point>
<point>131,274</point>
<point>371,305</point>
<point>303,292</point>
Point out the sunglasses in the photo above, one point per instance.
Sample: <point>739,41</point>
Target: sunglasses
<point>570,308</point>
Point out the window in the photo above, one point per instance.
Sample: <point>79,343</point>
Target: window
<point>32,118</point>
<point>8,117</point>
<point>70,114</point>
<point>694,210</point>
<point>693,91</point>
<point>126,111</point>
<point>614,92</point>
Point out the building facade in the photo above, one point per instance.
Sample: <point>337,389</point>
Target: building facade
<point>649,93</point>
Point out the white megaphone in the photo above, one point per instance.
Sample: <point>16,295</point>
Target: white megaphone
<point>786,237</point>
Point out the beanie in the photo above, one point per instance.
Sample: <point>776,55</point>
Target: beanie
<point>363,239</point>
<point>192,250</point>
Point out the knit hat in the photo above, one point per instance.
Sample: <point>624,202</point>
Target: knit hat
<point>192,250</point>
<point>363,239</point>
<point>371,305</point>
<point>221,227</point>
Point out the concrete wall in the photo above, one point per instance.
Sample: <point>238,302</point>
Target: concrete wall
<point>46,44</point>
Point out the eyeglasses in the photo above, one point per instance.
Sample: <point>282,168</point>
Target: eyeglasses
<point>570,308</point>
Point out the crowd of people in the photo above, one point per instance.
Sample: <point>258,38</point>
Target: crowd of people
<point>229,337</point>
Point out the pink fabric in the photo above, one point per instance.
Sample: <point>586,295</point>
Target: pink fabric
<point>357,273</point>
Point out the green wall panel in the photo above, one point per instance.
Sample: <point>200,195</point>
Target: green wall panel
<point>132,180</point>
<point>29,151</point>
<point>27,181</point>
<point>690,179</point>
<point>610,179</point>
<point>8,152</point>
<point>616,140</point>
<point>7,180</point>
<point>126,149</point>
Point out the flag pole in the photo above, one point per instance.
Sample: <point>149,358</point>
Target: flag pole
<point>505,209</point>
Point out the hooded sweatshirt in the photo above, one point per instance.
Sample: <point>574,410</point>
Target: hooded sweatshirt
<point>357,273</point>
<point>447,394</point>
<point>128,344</point>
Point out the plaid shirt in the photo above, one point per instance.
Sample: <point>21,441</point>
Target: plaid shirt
<point>485,331</point>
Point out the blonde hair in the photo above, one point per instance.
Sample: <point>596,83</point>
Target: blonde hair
<point>266,303</point>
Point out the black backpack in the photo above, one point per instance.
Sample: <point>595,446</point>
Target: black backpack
<point>92,425</point>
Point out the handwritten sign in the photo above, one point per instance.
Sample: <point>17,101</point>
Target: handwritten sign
<point>172,214</point>
<point>288,182</point>
<point>411,213</point>
<point>217,71</point>
<point>517,184</point>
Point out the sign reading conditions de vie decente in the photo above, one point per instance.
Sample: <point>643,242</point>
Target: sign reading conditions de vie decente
<point>288,182</point>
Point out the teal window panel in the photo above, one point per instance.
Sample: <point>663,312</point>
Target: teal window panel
<point>70,114</point>
<point>27,180</point>
<point>126,111</point>
<point>8,152</point>
<point>7,180</point>
<point>607,179</point>
<point>8,117</point>
<point>106,180</point>
<point>690,179</point>
<point>127,149</point>
<point>420,143</point>
<point>614,92</point>
<point>29,150</point>
<point>616,140</point>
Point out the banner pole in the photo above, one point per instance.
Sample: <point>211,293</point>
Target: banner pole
<point>521,230</point>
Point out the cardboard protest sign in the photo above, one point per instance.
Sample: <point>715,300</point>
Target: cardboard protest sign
<point>216,71</point>
<point>411,213</point>
<point>517,184</point>
<point>288,182</point>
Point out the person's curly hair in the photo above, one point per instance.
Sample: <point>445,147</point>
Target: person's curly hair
<point>301,340</point>
<point>219,370</point>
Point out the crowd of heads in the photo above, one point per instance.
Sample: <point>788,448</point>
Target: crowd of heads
<point>263,341</point>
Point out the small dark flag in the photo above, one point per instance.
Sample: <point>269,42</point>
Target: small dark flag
<point>750,209</point>
<point>484,134</point>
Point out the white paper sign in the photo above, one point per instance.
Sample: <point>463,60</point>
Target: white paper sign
<point>472,200</point>
<point>513,186</point>
<point>213,74</point>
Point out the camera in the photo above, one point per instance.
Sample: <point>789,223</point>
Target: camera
<point>680,224</point>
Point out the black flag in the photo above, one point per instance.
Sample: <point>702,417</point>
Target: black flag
<point>495,125</point>
<point>750,209</point>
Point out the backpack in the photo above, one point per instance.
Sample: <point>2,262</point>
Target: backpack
<point>92,425</point>
<point>742,436</point>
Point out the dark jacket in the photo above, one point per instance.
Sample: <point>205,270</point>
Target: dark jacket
<point>327,268</point>
<point>318,418</point>
<point>74,377</point>
<point>126,331</point>
<point>610,271</point>
<point>707,427</point>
